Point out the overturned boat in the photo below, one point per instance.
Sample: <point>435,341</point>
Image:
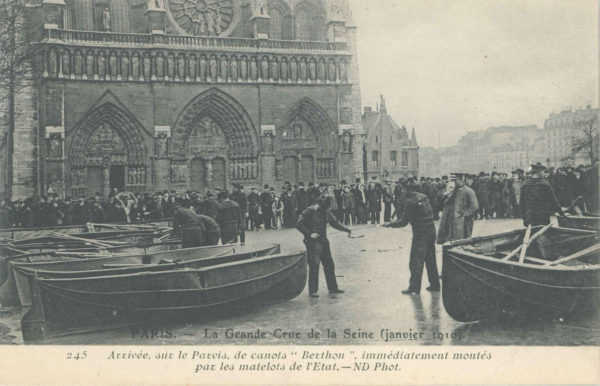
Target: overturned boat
<point>540,272</point>
<point>16,288</point>
<point>105,300</point>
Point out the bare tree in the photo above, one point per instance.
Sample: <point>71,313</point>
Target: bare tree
<point>585,138</point>
<point>15,55</point>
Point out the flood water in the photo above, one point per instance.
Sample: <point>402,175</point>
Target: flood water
<point>372,270</point>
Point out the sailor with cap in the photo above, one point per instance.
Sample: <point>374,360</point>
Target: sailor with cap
<point>312,223</point>
<point>417,211</point>
<point>538,201</point>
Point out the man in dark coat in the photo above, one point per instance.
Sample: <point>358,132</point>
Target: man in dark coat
<point>229,218</point>
<point>238,196</point>
<point>210,206</point>
<point>196,230</point>
<point>483,196</point>
<point>538,201</point>
<point>312,223</point>
<point>253,209</point>
<point>266,206</point>
<point>417,211</point>
<point>374,202</point>
<point>301,198</point>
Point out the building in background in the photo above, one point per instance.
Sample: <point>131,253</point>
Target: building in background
<point>185,95</point>
<point>500,149</point>
<point>389,150</point>
<point>562,129</point>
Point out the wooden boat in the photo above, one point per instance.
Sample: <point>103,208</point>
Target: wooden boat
<point>33,232</point>
<point>540,272</point>
<point>586,221</point>
<point>88,303</point>
<point>16,289</point>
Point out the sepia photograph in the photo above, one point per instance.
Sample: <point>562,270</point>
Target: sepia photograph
<point>331,187</point>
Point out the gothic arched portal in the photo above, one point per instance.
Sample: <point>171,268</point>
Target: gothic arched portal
<point>216,140</point>
<point>106,149</point>
<point>307,144</point>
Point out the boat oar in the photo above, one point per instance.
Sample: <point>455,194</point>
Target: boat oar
<point>583,252</point>
<point>88,241</point>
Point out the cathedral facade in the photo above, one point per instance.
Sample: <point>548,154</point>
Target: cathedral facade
<point>187,95</point>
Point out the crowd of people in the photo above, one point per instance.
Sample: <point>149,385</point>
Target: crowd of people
<point>375,202</point>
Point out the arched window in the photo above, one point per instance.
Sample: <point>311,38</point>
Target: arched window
<point>276,24</point>
<point>303,23</point>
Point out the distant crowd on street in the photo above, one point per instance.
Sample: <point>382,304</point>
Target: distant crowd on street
<point>377,201</point>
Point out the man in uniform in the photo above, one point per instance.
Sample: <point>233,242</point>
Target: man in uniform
<point>196,230</point>
<point>538,201</point>
<point>417,211</point>
<point>312,223</point>
<point>229,218</point>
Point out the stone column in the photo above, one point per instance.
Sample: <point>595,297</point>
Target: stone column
<point>106,176</point>
<point>162,164</point>
<point>267,158</point>
<point>209,173</point>
<point>53,11</point>
<point>54,167</point>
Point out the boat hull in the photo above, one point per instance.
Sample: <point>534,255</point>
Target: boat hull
<point>34,232</point>
<point>580,222</point>
<point>476,288</point>
<point>69,306</point>
<point>17,288</point>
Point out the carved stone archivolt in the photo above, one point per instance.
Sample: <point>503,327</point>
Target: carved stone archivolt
<point>218,113</point>
<point>107,136</point>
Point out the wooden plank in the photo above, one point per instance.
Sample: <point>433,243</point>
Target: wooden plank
<point>583,252</point>
<point>516,250</point>
<point>525,244</point>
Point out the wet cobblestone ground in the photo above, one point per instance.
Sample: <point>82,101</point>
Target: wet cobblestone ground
<point>372,270</point>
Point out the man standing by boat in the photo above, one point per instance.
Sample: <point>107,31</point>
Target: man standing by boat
<point>538,201</point>
<point>195,230</point>
<point>466,204</point>
<point>229,218</point>
<point>312,223</point>
<point>417,211</point>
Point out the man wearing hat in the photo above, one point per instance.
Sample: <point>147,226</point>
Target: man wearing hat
<point>417,211</point>
<point>538,201</point>
<point>312,223</point>
<point>460,206</point>
<point>266,206</point>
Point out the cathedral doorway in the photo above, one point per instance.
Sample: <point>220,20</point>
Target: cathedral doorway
<point>117,177</point>
<point>106,151</point>
<point>308,145</point>
<point>95,180</point>
<point>197,175</point>
<point>216,140</point>
<point>290,169</point>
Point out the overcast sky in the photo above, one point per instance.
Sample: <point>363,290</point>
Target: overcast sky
<point>448,66</point>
